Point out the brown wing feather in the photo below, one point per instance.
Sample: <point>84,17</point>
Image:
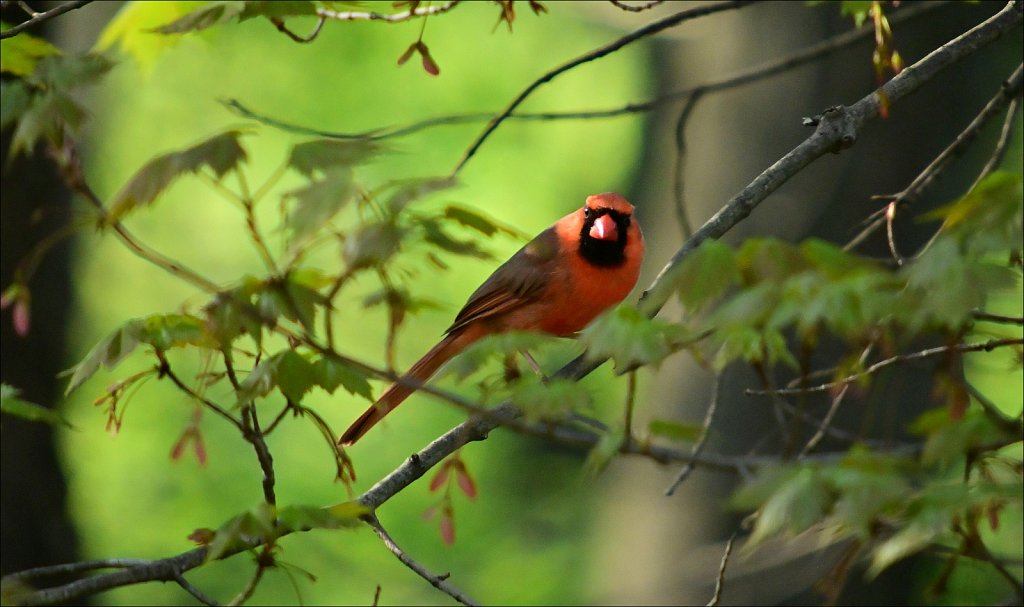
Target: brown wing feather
<point>517,281</point>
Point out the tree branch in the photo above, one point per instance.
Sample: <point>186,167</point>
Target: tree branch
<point>760,72</point>
<point>647,30</point>
<point>437,581</point>
<point>979,347</point>
<point>837,130</point>
<point>1010,89</point>
<point>419,11</point>
<point>38,18</point>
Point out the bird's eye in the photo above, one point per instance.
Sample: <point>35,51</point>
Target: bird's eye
<point>586,212</point>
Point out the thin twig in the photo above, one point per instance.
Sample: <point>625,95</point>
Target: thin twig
<point>38,18</point>
<point>419,11</point>
<point>261,566</point>
<point>826,422</point>
<point>1009,320</point>
<point>901,358</point>
<point>166,371</point>
<point>720,578</point>
<point>195,592</point>
<point>636,8</point>
<point>999,152</point>
<point>890,218</point>
<point>698,447</point>
<point>678,165</point>
<point>1008,90</point>
<point>647,30</point>
<point>630,403</point>
<point>990,408</point>
<point>437,581</point>
<point>281,27</point>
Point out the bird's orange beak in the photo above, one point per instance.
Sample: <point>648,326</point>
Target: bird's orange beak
<point>604,228</point>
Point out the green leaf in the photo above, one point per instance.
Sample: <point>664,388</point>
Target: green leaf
<point>318,202</point>
<point>64,73</point>
<point>108,353</point>
<point>221,153</point>
<point>706,274</point>
<point>277,8</point>
<point>132,30</point>
<point>435,235</point>
<point>11,404</point>
<point>912,538</point>
<point>942,268</point>
<point>950,439</point>
<point>294,375</point>
<point>769,260</point>
<point>164,332</point>
<point>15,99</point>
<point>304,518</point>
<point>415,189</point>
<point>858,9</point>
<point>372,246</point>
<point>990,218</point>
<point>213,13</point>
<point>631,339</point>
<point>471,219</point>
<point>240,531</point>
<point>675,431</point>
<point>331,372</point>
<point>20,54</point>
<point>604,451</point>
<point>550,401</point>
<point>799,502</point>
<point>288,371</point>
<point>327,155</point>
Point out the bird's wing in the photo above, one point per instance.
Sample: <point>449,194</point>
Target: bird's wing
<point>517,281</point>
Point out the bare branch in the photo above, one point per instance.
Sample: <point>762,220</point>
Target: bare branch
<point>38,18</point>
<point>437,581</point>
<point>419,11</point>
<point>979,347</point>
<point>698,447</point>
<point>1007,91</point>
<point>678,166</point>
<point>720,579</point>
<point>647,30</point>
<point>999,152</point>
<point>636,8</point>
<point>1009,320</point>
<point>188,587</point>
<point>281,27</point>
<point>832,410</point>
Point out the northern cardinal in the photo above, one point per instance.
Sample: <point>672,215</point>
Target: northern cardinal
<point>561,280</point>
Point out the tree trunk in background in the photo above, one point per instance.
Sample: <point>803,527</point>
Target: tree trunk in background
<point>666,550</point>
<point>34,525</point>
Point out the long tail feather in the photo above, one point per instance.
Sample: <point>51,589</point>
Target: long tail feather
<point>398,392</point>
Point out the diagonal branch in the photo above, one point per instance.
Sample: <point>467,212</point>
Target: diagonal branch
<point>437,581</point>
<point>38,18</point>
<point>647,30</point>
<point>837,129</point>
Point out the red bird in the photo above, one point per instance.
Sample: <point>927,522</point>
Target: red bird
<point>561,280</point>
